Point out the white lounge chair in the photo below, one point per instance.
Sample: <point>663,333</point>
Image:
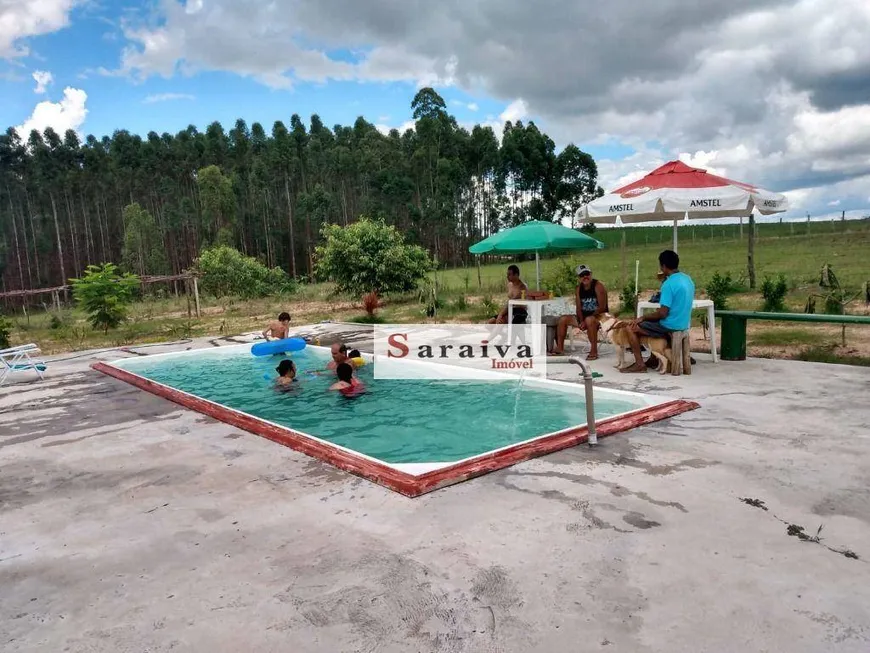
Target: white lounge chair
<point>21,359</point>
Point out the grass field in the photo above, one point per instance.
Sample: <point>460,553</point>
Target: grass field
<point>472,293</point>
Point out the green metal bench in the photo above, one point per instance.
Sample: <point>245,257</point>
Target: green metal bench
<point>734,327</point>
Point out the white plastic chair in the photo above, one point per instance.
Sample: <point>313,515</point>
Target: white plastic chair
<point>18,360</point>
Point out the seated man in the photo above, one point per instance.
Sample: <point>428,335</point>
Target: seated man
<point>516,288</point>
<point>591,303</point>
<point>279,328</point>
<point>674,314</point>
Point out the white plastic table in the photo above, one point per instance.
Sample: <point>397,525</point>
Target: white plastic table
<point>536,309</point>
<point>698,303</point>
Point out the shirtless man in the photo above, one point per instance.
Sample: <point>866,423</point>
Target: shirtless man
<point>279,328</point>
<point>339,356</point>
<point>515,289</point>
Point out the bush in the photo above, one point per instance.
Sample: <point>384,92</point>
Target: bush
<point>55,322</point>
<point>370,303</point>
<point>628,298</point>
<point>104,294</point>
<point>370,256</point>
<point>5,332</point>
<point>774,291</point>
<point>562,280</point>
<point>226,272</point>
<point>718,289</point>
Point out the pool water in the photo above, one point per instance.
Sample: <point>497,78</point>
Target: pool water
<point>395,421</point>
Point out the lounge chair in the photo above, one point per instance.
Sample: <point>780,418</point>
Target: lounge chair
<point>20,359</point>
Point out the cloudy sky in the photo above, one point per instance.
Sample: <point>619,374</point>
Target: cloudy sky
<point>774,92</point>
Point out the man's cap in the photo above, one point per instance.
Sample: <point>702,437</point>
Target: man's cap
<point>582,269</point>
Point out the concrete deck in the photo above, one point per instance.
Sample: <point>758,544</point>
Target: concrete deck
<point>130,524</point>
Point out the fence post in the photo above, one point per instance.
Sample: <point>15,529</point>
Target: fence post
<point>196,296</point>
<point>750,257</point>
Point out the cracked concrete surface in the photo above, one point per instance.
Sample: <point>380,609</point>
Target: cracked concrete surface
<point>130,524</point>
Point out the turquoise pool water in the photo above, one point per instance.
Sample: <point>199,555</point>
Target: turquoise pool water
<point>396,421</point>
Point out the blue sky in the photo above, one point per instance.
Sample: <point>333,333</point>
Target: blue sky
<point>166,64</point>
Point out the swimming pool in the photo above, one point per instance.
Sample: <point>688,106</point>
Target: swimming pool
<point>411,435</point>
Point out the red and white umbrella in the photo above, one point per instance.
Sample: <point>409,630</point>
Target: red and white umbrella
<point>675,191</point>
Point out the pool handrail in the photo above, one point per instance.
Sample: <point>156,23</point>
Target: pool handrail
<point>592,438</point>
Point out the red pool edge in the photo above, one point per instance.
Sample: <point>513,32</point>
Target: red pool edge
<point>406,484</point>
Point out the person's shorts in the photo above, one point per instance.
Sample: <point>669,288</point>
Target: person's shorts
<point>519,316</point>
<point>655,329</point>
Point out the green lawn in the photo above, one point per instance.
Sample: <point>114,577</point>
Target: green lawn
<point>844,245</point>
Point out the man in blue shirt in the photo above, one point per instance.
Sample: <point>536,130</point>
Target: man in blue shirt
<point>674,314</point>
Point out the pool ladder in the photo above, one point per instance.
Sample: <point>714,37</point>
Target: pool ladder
<point>590,410</point>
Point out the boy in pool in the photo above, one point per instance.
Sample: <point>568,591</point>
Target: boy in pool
<point>355,358</point>
<point>279,328</point>
<point>286,374</point>
<point>347,383</point>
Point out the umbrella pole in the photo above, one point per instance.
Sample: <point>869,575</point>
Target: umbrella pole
<point>538,270</point>
<point>676,227</point>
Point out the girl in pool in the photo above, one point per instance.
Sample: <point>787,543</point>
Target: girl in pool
<point>286,374</point>
<point>347,383</point>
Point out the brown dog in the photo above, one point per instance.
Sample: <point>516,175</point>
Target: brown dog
<point>616,331</point>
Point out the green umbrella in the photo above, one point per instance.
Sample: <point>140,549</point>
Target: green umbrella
<point>536,236</point>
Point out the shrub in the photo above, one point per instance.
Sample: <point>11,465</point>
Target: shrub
<point>5,332</point>
<point>55,322</point>
<point>370,303</point>
<point>226,272</point>
<point>562,280</point>
<point>628,298</point>
<point>774,291</point>
<point>370,256</point>
<point>718,289</point>
<point>104,294</point>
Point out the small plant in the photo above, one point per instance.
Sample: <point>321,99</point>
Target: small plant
<point>5,332</point>
<point>835,297</point>
<point>719,288</point>
<point>461,303</point>
<point>104,294</point>
<point>628,298</point>
<point>488,307</point>
<point>774,291</point>
<point>429,299</point>
<point>55,323</point>
<point>562,280</point>
<point>371,303</point>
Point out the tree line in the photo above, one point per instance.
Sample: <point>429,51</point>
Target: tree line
<point>154,203</point>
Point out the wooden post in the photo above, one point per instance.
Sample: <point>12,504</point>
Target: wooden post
<point>187,295</point>
<point>624,260</point>
<point>479,280</point>
<point>55,299</point>
<point>750,257</point>
<point>196,296</point>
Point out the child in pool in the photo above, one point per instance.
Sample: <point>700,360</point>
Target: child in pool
<point>347,383</point>
<point>355,358</point>
<point>286,374</point>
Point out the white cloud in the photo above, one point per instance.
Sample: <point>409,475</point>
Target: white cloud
<point>386,129</point>
<point>69,113</point>
<point>42,78</point>
<point>20,19</point>
<point>516,110</point>
<point>167,97</point>
<point>471,106</point>
<point>776,92</point>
